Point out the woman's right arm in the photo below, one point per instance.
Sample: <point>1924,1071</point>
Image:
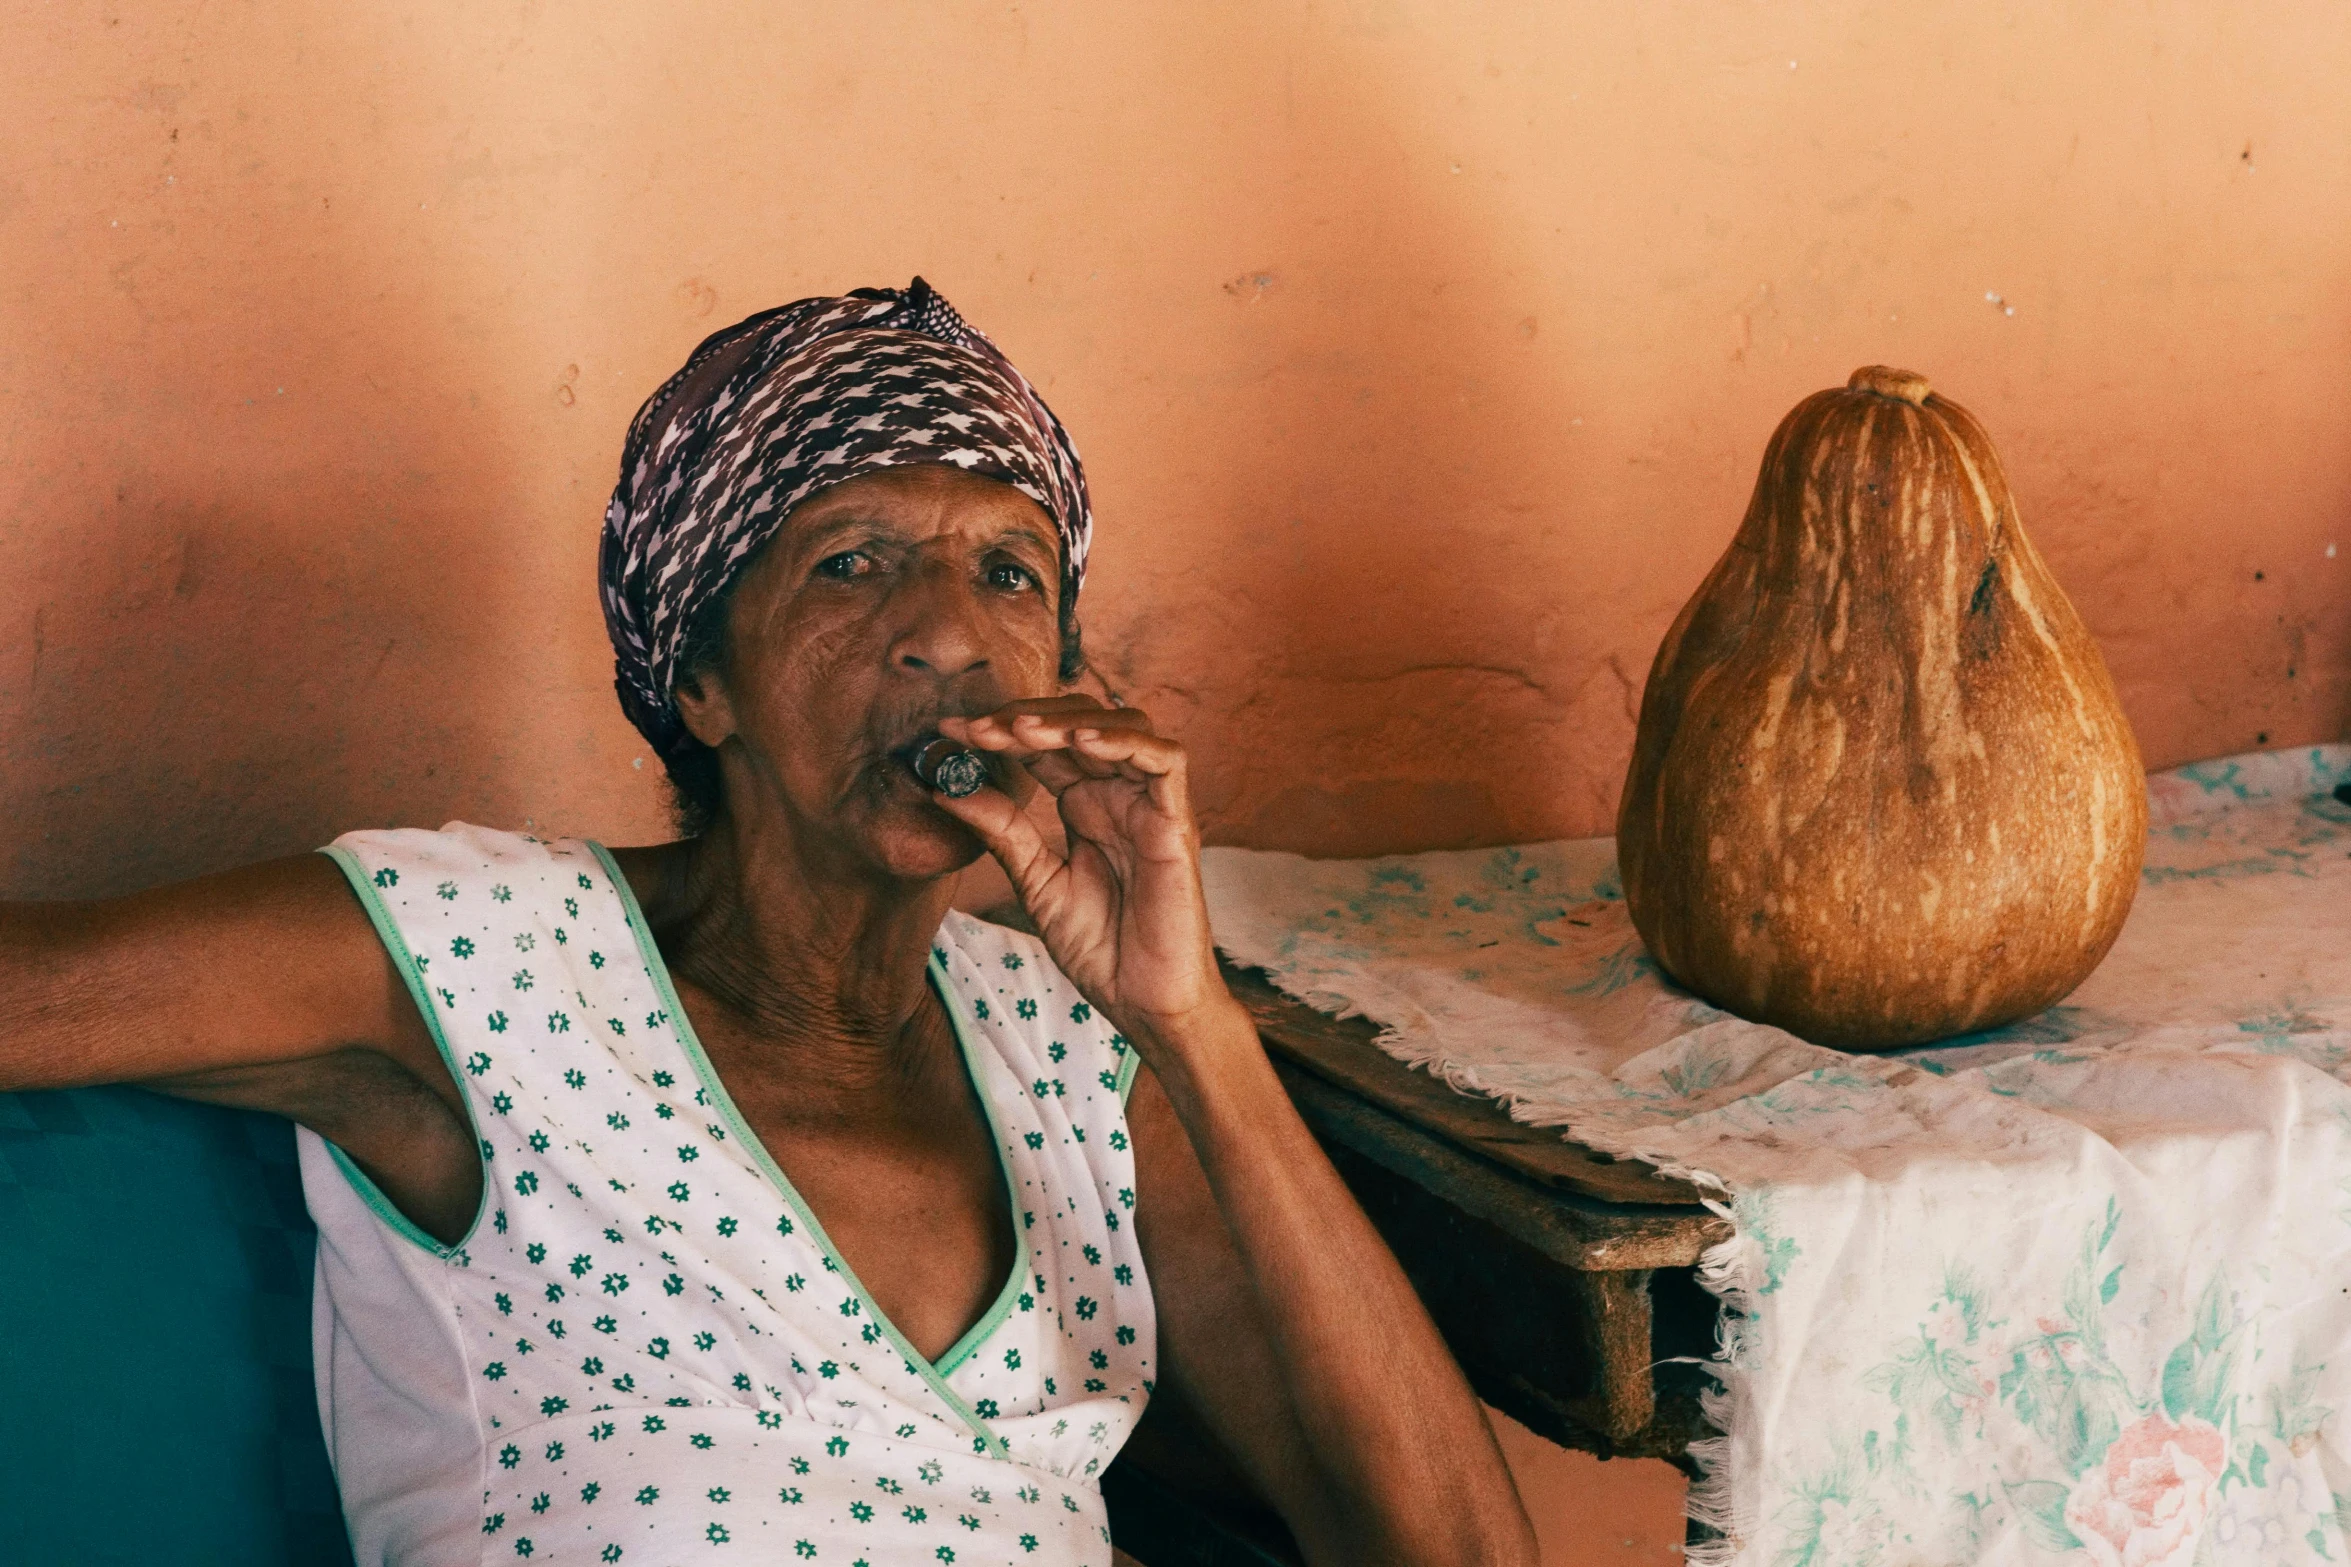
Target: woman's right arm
<point>265,988</point>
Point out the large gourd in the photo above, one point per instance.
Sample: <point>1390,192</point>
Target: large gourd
<point>1882,791</point>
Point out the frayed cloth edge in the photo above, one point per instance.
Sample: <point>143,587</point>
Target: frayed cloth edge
<point>1726,1270</point>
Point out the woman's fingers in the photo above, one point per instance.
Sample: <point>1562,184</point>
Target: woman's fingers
<point>1045,743</point>
<point>1133,756</point>
<point>1006,831</point>
<point>1059,770</point>
<point>1063,742</point>
<point>1135,752</point>
<point>1030,733</point>
<point>1041,717</point>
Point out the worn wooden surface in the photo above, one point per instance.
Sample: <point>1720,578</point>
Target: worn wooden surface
<point>1635,1217</point>
<point>1550,1323</point>
<point>1562,1281</point>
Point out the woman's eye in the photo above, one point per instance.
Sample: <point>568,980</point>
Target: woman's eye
<point>849,563</point>
<point>1006,575</point>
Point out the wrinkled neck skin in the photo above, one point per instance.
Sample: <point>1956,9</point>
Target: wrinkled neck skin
<point>820,956</point>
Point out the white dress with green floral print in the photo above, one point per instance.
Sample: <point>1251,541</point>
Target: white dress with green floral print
<point>646,1350</point>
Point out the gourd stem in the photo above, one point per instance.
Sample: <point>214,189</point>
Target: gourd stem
<point>1887,381</point>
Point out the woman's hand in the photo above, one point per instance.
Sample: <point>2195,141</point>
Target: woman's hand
<point>1270,1280</point>
<point>1122,912</point>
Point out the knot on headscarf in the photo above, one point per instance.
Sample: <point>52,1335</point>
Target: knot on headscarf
<point>779,406</point>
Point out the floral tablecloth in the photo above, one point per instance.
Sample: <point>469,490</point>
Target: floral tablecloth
<point>2078,1289</point>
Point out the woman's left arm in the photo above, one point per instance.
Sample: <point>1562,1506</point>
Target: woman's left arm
<point>1285,1323</point>
<point>1288,1327</point>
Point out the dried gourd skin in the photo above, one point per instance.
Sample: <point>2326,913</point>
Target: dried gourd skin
<point>1882,790</point>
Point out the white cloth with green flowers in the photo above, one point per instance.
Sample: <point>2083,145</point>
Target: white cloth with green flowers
<point>2078,1289</point>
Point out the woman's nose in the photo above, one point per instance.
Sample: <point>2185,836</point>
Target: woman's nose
<point>939,626</point>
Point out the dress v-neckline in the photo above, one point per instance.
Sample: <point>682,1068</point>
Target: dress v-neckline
<point>936,1372</point>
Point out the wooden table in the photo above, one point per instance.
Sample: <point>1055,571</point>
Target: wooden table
<point>1563,1280</point>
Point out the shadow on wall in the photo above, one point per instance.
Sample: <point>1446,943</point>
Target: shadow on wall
<point>1345,486</point>
<point>256,555</point>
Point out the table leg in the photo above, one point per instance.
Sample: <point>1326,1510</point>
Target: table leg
<point>1616,1322</point>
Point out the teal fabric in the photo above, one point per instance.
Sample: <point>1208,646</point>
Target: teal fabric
<point>155,1265</point>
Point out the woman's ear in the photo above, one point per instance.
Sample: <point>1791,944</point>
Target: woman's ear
<point>702,702</point>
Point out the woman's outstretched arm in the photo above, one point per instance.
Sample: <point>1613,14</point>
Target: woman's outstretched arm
<point>1286,1325</point>
<point>264,988</point>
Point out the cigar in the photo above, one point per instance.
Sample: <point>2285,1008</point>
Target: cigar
<point>953,770</point>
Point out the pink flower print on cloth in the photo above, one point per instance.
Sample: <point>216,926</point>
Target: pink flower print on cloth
<point>2145,1505</point>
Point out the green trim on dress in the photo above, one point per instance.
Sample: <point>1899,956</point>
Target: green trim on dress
<point>959,1020</point>
<point>691,1045</point>
<point>395,944</point>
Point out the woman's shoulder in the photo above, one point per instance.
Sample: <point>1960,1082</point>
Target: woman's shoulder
<point>1011,983</point>
<point>993,942</point>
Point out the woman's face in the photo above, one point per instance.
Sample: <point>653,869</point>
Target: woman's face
<point>883,604</point>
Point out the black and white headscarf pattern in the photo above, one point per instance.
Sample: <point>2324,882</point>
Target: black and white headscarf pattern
<point>779,406</point>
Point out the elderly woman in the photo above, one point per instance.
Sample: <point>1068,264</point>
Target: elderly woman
<point>737,1192</point>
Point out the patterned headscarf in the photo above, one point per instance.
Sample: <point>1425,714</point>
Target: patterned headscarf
<point>780,406</point>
